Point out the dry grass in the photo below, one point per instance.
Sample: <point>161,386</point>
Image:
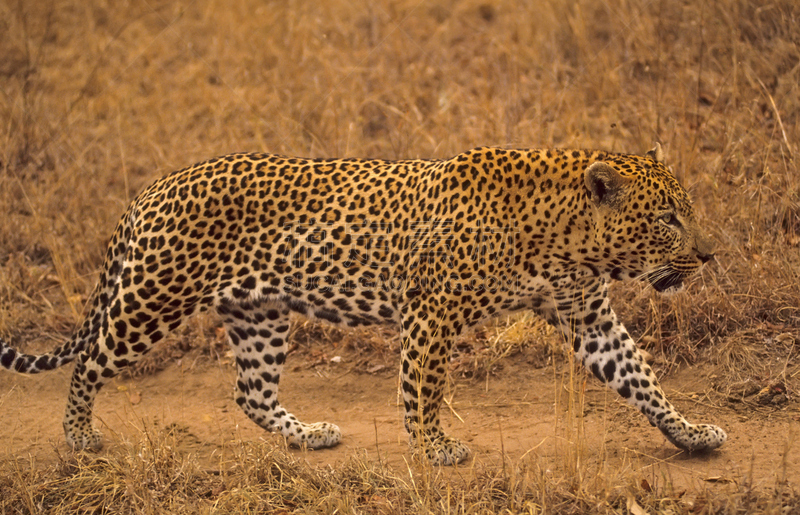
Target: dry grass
<point>154,476</point>
<point>97,99</point>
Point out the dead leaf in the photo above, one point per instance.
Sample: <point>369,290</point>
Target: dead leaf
<point>775,393</point>
<point>718,479</point>
<point>135,397</point>
<point>376,368</point>
<point>633,506</point>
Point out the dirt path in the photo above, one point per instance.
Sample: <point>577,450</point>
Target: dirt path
<point>514,413</point>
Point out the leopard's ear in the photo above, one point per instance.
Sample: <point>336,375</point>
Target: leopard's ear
<point>656,154</point>
<point>603,182</point>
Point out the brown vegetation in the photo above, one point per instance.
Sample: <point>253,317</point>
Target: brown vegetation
<point>97,99</point>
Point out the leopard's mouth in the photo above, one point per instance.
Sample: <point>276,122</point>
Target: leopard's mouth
<point>666,279</point>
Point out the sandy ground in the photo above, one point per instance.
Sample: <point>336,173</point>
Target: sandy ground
<point>518,415</point>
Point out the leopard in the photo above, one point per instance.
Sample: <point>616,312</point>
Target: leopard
<point>434,247</point>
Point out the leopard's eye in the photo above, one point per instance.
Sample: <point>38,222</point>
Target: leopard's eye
<point>670,219</point>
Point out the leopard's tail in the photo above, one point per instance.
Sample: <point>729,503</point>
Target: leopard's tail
<point>12,359</point>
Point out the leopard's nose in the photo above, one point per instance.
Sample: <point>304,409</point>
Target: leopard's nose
<point>705,258</point>
<point>703,248</point>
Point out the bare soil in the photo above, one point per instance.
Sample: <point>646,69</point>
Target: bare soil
<point>522,411</point>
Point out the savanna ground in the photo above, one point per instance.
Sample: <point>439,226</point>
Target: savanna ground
<point>97,99</point>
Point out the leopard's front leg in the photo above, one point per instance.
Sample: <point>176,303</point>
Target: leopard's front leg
<point>604,346</point>
<point>427,341</point>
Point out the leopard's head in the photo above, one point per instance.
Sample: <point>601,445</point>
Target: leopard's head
<point>644,223</point>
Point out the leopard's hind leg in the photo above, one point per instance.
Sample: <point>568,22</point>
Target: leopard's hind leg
<point>257,333</point>
<point>139,314</point>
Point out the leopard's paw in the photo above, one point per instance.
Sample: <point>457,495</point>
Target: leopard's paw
<point>697,437</point>
<point>88,439</point>
<point>315,436</point>
<point>442,450</point>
